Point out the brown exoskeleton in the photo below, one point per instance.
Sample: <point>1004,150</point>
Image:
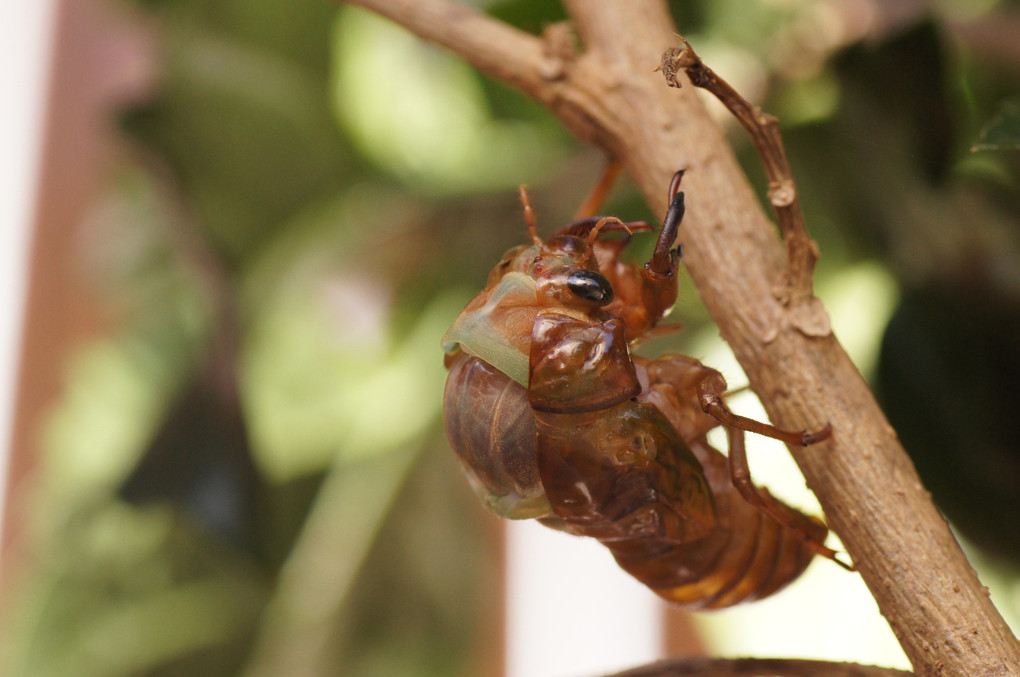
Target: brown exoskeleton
<point>553,418</point>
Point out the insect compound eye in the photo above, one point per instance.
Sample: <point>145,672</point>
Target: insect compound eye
<point>590,286</point>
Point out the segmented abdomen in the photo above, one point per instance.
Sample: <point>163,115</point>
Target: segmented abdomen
<point>666,509</point>
<point>748,556</point>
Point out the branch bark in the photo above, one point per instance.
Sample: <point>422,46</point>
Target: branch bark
<point>752,667</point>
<point>872,497</point>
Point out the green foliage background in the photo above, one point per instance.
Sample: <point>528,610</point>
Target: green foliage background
<point>249,475</point>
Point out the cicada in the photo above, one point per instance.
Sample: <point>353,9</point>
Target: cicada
<point>555,418</point>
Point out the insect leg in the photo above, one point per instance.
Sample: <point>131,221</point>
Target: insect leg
<point>712,403</point>
<point>582,228</point>
<point>665,259</point>
<point>587,217</point>
<point>760,498</point>
<point>655,332</point>
<point>656,291</point>
<point>594,201</point>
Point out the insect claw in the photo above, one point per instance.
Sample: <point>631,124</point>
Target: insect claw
<point>807,439</point>
<point>830,554</point>
<point>674,185</point>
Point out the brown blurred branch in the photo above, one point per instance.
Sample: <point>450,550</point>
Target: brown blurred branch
<point>754,667</point>
<point>609,96</point>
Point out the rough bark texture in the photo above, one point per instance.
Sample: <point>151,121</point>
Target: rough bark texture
<point>609,96</point>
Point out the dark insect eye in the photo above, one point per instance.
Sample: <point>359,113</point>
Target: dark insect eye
<point>590,286</point>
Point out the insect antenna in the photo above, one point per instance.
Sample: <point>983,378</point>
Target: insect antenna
<point>529,217</point>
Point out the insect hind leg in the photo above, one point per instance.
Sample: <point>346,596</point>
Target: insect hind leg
<point>798,523</point>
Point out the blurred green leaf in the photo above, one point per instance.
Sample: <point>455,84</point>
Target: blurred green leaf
<point>129,590</point>
<point>1002,132</point>
<point>317,577</point>
<point>316,394</point>
<point>248,133</point>
<point>421,113</point>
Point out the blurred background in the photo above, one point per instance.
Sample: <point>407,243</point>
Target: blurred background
<point>245,227</point>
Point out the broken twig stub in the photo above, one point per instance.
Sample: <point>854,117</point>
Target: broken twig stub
<point>795,289</point>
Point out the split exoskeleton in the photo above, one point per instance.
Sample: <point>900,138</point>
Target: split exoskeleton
<point>553,418</point>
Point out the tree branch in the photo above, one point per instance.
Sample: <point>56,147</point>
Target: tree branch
<point>492,47</point>
<point>754,667</point>
<point>608,95</point>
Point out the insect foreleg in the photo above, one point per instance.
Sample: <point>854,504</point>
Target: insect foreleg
<point>664,259</point>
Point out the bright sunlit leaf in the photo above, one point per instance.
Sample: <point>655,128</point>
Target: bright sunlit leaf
<point>422,114</point>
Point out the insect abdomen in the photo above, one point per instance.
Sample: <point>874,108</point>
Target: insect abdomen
<point>663,534</point>
<point>747,556</point>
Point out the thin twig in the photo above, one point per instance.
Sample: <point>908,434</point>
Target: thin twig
<point>491,46</point>
<point>802,253</point>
